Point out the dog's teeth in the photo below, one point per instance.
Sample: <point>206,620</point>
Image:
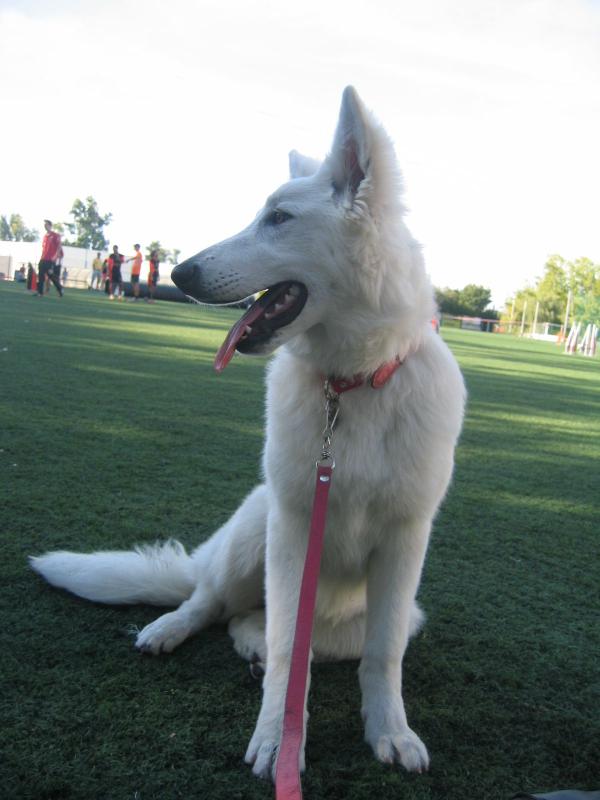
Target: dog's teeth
<point>247,330</point>
<point>268,315</point>
<point>294,290</point>
<point>288,299</point>
<point>278,307</point>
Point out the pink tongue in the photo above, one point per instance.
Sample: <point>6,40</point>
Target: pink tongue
<point>227,349</point>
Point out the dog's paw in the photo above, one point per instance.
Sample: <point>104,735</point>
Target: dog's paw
<point>164,634</point>
<point>402,747</point>
<point>248,634</point>
<point>263,750</point>
<point>262,756</point>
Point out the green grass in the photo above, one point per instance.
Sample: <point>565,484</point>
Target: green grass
<point>115,430</point>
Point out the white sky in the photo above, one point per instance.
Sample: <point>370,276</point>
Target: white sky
<point>178,116</point>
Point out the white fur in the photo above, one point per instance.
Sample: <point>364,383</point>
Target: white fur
<point>369,300</point>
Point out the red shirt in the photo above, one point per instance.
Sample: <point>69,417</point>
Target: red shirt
<point>114,260</point>
<point>50,246</point>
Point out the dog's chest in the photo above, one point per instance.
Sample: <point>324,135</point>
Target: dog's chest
<point>371,445</point>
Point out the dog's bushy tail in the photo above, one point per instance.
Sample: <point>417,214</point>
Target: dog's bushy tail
<point>160,575</point>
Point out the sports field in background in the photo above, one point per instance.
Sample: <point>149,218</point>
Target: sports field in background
<point>115,430</point>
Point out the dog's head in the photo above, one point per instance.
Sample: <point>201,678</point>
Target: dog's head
<point>321,250</point>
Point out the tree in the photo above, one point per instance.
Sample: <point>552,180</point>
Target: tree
<point>471,301</point>
<point>173,257</point>
<point>551,290</point>
<point>581,277</point>
<point>448,301</point>
<point>162,253</point>
<point>5,231</point>
<point>523,301</point>
<point>584,276</point>
<point>15,230</point>
<point>584,282</point>
<point>88,225</point>
<point>170,256</point>
<point>475,299</point>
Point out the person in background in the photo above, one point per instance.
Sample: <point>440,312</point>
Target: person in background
<point>115,262</point>
<point>153,275</point>
<point>96,272</point>
<point>31,284</point>
<point>58,265</point>
<point>136,268</point>
<point>65,276</point>
<point>105,276</point>
<point>20,275</point>
<point>51,252</point>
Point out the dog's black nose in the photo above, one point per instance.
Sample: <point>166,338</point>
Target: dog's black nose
<point>185,275</point>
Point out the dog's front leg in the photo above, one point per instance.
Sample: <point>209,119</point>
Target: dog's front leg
<point>393,578</point>
<point>286,545</point>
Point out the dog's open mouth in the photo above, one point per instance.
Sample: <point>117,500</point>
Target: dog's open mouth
<point>277,307</point>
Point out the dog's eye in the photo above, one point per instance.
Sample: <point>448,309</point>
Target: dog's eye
<point>278,217</point>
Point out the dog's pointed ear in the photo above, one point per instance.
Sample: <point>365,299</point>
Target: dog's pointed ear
<point>350,156</point>
<point>302,166</point>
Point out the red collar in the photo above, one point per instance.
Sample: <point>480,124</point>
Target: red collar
<point>378,379</point>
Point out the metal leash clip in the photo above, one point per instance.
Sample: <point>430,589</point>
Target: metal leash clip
<point>332,409</point>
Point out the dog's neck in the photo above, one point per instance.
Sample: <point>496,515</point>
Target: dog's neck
<point>376,380</point>
<point>346,354</point>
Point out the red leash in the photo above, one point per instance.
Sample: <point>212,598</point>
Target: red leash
<point>287,776</point>
<point>287,773</point>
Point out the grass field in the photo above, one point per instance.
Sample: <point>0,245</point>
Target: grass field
<point>115,430</point>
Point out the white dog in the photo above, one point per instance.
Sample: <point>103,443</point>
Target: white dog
<point>347,296</point>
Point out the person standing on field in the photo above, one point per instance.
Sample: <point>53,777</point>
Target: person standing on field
<point>105,277</point>
<point>153,275</point>
<point>96,272</point>
<point>59,271</point>
<point>51,252</point>
<point>114,268</point>
<point>31,283</point>
<point>136,268</point>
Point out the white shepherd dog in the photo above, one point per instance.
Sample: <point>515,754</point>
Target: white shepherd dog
<point>347,296</point>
